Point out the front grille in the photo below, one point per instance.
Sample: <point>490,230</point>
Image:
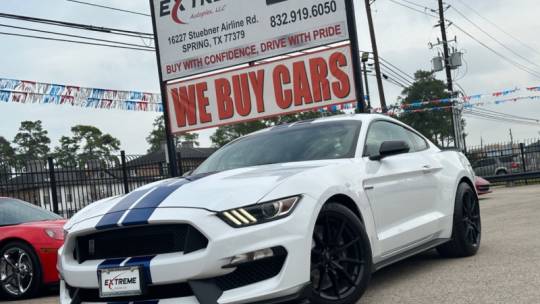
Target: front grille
<point>139,241</point>
<point>152,292</point>
<point>244,275</point>
<point>251,273</point>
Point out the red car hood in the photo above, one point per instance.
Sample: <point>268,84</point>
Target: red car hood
<point>45,224</point>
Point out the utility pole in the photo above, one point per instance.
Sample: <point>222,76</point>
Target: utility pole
<point>449,83</point>
<point>511,138</point>
<point>448,68</point>
<point>365,58</point>
<point>376,61</point>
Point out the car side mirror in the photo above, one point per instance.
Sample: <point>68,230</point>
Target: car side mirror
<point>389,148</point>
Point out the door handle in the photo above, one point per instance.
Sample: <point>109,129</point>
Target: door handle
<point>426,169</point>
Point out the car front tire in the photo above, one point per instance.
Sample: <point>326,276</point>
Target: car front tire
<point>341,260</point>
<point>20,271</point>
<point>467,226</point>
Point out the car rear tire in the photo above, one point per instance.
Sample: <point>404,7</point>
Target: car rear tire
<point>341,260</point>
<point>467,225</point>
<point>20,271</point>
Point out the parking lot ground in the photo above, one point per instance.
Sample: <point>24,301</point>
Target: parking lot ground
<point>506,270</point>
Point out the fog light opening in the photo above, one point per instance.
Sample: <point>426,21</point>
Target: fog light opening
<point>250,257</point>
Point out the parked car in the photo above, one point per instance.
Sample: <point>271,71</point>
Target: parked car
<point>29,240</point>
<point>500,165</point>
<point>482,186</point>
<point>308,209</point>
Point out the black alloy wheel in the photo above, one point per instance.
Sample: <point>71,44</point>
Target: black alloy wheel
<point>20,272</point>
<point>471,218</point>
<point>341,258</point>
<point>467,225</point>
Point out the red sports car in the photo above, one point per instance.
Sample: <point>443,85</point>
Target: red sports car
<point>29,240</point>
<point>482,186</point>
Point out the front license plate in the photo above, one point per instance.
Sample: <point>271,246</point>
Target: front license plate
<point>119,282</point>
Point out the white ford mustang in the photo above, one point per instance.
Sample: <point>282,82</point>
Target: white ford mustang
<point>305,210</point>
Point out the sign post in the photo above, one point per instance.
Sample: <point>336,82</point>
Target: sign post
<point>169,138</point>
<point>357,66</point>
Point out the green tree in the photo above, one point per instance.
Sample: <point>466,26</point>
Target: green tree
<point>66,154</point>
<point>7,153</point>
<point>157,136</point>
<point>228,133</point>
<point>190,138</point>
<point>87,143</point>
<point>7,159</point>
<point>32,142</point>
<point>435,125</point>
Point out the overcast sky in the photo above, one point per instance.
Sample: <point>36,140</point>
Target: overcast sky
<point>403,37</point>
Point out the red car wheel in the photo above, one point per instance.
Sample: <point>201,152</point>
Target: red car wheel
<point>20,271</point>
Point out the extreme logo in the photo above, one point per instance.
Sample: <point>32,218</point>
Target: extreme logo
<point>174,8</point>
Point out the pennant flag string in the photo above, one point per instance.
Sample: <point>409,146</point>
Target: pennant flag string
<point>31,92</point>
<point>22,91</point>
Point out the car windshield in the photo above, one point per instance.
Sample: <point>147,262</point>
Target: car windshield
<point>14,212</point>
<point>299,142</point>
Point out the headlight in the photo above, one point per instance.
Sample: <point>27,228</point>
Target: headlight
<point>259,213</point>
<point>55,233</point>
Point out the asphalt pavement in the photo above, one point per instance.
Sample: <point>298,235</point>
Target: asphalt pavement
<point>506,269</point>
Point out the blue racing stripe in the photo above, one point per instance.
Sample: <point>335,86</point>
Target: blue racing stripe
<point>143,262</point>
<point>111,263</point>
<point>142,211</point>
<point>112,217</point>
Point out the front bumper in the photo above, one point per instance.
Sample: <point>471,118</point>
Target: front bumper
<point>205,267</point>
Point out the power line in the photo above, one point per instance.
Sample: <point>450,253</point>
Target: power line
<point>498,118</point>
<point>389,65</point>
<point>396,74</point>
<point>499,28</point>
<point>86,27</point>
<point>505,114</point>
<point>76,36</point>
<point>79,42</point>
<point>110,8</point>
<point>420,5</point>
<point>400,70</point>
<point>514,63</point>
<point>493,38</point>
<point>414,9</point>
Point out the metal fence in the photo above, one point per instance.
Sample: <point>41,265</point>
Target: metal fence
<point>66,190</point>
<point>507,162</point>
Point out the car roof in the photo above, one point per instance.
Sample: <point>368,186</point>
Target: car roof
<point>364,118</point>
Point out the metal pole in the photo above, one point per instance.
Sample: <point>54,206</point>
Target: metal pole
<point>171,147</point>
<point>52,179</point>
<point>450,86</point>
<point>368,97</point>
<point>355,49</point>
<point>376,61</point>
<point>124,171</point>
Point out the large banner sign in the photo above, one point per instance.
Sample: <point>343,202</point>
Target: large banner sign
<point>197,36</point>
<point>295,84</point>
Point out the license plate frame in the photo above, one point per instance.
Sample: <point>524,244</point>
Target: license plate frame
<point>118,271</point>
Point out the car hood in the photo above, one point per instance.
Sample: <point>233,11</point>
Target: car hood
<point>44,224</point>
<point>214,192</point>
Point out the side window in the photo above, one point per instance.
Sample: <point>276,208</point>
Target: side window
<point>419,143</point>
<point>381,131</point>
